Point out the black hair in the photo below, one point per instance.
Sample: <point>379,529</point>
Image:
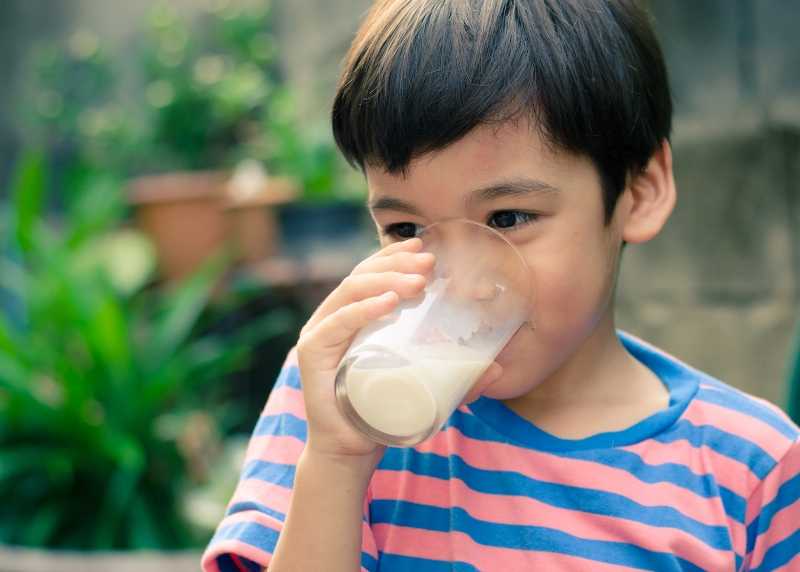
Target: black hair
<point>421,74</point>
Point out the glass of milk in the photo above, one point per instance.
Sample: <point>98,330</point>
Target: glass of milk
<point>404,374</point>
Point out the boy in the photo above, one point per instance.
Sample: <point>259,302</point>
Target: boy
<point>581,448</point>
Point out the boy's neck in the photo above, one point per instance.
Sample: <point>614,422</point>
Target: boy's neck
<point>600,388</point>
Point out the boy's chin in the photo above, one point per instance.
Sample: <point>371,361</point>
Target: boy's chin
<point>502,390</point>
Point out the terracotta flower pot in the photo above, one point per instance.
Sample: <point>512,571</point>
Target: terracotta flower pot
<point>191,215</point>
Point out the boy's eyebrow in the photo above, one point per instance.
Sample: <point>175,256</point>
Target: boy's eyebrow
<point>511,188</point>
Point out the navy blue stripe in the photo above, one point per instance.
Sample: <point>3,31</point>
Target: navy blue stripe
<point>731,399</point>
<point>781,553</point>
<point>520,537</point>
<point>282,424</point>
<point>472,427</point>
<point>369,562</point>
<point>275,473</point>
<point>704,485</point>
<point>265,538</point>
<point>252,533</point>
<point>732,446</point>
<point>399,563</point>
<point>251,505</point>
<point>226,564</point>
<point>788,494</point>
<point>679,475</point>
<point>734,504</point>
<point>559,495</point>
<point>289,376</point>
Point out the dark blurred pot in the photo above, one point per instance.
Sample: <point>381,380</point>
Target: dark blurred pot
<point>306,226</point>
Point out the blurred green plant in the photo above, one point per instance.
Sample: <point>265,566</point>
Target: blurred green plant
<point>106,383</point>
<point>199,94</point>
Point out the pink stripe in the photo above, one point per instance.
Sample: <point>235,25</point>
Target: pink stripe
<point>435,545</point>
<point>573,472</point>
<point>268,494</point>
<point>760,400</point>
<point>783,524</point>
<point>252,516</point>
<point>700,460</point>
<point>739,424</point>
<point>788,467</point>
<point>234,547</point>
<point>209,563</point>
<point>285,399</point>
<point>275,449</point>
<point>768,404</point>
<point>526,511</point>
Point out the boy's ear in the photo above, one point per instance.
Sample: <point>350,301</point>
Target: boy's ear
<point>649,198</point>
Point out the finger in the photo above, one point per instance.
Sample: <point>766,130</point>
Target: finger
<point>403,262</point>
<point>361,286</point>
<point>408,262</point>
<point>410,245</point>
<point>327,342</point>
<point>493,373</point>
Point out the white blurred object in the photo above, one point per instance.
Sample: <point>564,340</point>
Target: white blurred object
<point>249,181</point>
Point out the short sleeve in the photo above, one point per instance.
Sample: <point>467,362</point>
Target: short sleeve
<point>773,517</point>
<point>246,537</point>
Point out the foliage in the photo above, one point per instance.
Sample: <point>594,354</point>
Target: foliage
<point>191,94</point>
<point>105,382</point>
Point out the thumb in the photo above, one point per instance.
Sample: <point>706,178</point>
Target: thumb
<point>490,376</point>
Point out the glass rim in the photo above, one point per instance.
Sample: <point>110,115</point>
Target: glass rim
<point>521,259</point>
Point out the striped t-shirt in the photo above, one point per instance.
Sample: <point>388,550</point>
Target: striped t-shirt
<point>710,483</point>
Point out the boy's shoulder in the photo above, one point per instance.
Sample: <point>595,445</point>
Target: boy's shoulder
<point>725,418</point>
<point>759,426</point>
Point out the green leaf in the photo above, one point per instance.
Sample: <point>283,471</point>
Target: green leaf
<point>28,192</point>
<point>119,495</point>
<point>40,526</point>
<point>185,305</point>
<point>107,331</point>
<point>143,527</point>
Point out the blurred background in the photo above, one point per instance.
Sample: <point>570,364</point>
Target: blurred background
<point>172,208</point>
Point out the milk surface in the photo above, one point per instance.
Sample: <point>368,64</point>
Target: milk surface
<point>410,399</point>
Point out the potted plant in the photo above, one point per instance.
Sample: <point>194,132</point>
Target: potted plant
<point>107,387</point>
<point>206,85</point>
<point>329,213</point>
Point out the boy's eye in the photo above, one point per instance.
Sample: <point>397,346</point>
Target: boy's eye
<point>500,220</point>
<point>401,230</point>
<point>510,220</point>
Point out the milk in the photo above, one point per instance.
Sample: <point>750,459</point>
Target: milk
<point>417,397</point>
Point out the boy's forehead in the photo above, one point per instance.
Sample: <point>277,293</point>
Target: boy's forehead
<point>512,154</point>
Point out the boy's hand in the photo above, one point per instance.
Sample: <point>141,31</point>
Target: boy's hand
<point>372,290</point>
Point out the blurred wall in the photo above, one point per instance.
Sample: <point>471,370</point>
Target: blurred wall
<point>719,288</point>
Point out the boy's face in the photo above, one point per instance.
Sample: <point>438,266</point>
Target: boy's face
<point>556,221</point>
